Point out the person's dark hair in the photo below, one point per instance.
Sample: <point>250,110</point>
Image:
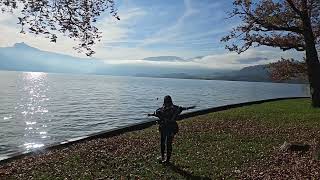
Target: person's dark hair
<point>167,101</point>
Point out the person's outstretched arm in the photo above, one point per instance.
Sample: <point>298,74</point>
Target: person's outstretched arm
<point>153,114</point>
<point>179,110</point>
<point>187,108</point>
<point>156,113</point>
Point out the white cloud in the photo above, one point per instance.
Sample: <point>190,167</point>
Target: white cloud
<point>10,33</point>
<point>226,60</point>
<point>167,34</point>
<point>115,31</point>
<point>231,60</point>
<point>112,30</point>
<point>132,53</point>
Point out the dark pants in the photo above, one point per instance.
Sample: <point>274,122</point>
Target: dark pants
<point>166,141</point>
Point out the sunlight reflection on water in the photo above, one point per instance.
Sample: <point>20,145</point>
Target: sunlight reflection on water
<point>33,108</point>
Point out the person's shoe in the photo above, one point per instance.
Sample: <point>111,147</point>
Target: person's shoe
<point>161,159</point>
<point>166,162</point>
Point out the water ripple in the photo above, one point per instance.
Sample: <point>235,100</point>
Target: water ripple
<point>39,108</point>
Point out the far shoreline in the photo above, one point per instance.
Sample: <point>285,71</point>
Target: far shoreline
<point>157,77</point>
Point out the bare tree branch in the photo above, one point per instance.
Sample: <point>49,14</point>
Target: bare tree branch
<point>74,18</point>
<point>293,7</point>
<point>270,23</point>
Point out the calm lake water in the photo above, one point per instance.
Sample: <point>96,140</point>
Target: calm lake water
<point>41,108</point>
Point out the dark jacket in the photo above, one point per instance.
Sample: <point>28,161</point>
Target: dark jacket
<point>167,118</point>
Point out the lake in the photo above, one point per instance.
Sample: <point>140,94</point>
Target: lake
<point>42,108</point>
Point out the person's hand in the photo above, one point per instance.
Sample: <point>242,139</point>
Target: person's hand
<point>191,107</point>
<point>150,115</point>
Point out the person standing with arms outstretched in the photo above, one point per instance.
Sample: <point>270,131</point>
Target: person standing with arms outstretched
<point>168,126</point>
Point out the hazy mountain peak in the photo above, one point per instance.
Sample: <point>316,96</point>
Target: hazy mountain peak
<point>22,45</point>
<point>164,58</point>
<point>196,58</point>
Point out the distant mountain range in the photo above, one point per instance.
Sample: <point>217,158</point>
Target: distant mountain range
<point>257,73</point>
<point>251,73</point>
<point>22,57</point>
<point>164,58</point>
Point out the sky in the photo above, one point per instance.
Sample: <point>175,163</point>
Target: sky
<point>183,28</point>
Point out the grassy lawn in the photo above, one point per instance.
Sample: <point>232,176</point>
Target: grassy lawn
<point>236,143</point>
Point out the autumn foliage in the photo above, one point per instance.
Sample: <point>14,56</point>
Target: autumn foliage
<point>287,69</point>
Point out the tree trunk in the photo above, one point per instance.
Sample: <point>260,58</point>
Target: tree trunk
<point>312,61</point>
<point>314,79</point>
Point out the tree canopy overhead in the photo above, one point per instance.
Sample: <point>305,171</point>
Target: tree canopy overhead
<point>273,23</point>
<point>74,18</point>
